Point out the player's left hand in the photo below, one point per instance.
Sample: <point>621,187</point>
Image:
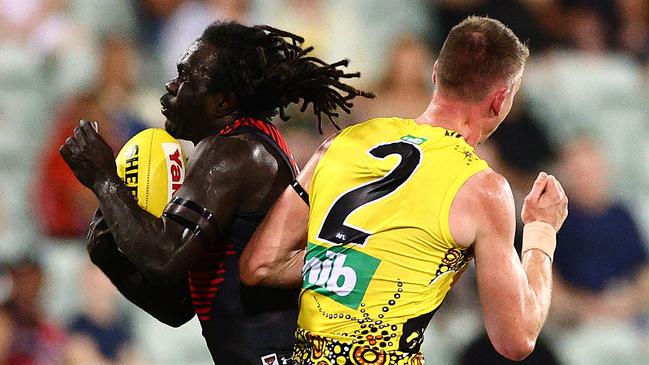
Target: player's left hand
<point>88,155</point>
<point>100,243</point>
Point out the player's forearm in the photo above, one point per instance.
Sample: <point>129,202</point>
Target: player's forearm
<point>539,243</point>
<point>529,301</point>
<point>538,270</point>
<point>137,233</point>
<point>514,300</point>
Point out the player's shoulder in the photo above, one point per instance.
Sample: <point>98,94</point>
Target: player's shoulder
<point>236,152</point>
<point>483,199</point>
<point>235,146</point>
<point>488,189</point>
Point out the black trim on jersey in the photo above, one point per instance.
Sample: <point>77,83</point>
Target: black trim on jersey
<point>413,332</point>
<point>300,191</point>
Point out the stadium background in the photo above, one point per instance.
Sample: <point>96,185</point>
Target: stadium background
<point>583,114</point>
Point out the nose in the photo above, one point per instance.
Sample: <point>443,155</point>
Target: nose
<point>172,86</point>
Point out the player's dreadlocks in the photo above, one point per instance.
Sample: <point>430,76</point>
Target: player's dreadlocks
<point>268,69</point>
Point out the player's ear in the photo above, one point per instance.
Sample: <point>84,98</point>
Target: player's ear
<point>222,103</point>
<point>498,99</point>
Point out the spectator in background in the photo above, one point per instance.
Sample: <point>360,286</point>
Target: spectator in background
<point>540,22</point>
<point>405,87</point>
<point>35,340</point>
<point>634,33</point>
<point>602,281</point>
<point>586,86</point>
<point>602,262</point>
<point>187,23</point>
<point>63,206</point>
<point>99,332</point>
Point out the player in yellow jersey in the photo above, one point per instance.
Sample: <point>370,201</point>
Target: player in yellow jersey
<point>396,209</point>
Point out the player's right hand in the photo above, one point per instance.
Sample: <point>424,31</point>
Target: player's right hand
<point>546,202</point>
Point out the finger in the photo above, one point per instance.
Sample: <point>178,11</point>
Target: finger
<point>551,195</point>
<point>102,232</point>
<point>560,193</point>
<point>88,128</point>
<point>91,132</point>
<point>98,223</point>
<point>539,185</point>
<point>72,145</point>
<point>560,187</point>
<point>65,152</point>
<point>92,123</point>
<point>80,136</point>
<point>78,131</point>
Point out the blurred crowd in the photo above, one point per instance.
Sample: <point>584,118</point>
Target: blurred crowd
<point>582,114</point>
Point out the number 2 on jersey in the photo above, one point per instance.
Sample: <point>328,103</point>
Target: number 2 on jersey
<point>334,229</point>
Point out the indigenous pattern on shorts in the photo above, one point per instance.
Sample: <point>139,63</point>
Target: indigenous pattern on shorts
<point>318,350</point>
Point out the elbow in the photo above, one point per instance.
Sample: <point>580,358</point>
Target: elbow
<point>252,276</point>
<point>252,272</point>
<point>515,348</point>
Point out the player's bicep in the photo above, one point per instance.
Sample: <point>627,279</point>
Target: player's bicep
<point>206,203</point>
<point>216,180</point>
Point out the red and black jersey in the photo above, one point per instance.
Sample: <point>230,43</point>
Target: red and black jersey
<point>243,324</point>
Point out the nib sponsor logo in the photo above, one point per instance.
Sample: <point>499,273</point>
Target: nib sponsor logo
<point>339,272</point>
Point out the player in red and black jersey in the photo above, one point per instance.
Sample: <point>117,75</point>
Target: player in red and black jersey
<point>229,83</point>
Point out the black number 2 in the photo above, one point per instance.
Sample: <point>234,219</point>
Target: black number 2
<point>334,229</point>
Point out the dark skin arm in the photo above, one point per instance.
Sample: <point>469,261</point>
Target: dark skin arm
<point>225,175</point>
<point>275,254</point>
<point>170,305</point>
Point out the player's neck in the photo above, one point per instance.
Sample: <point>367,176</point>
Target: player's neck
<point>213,126</point>
<point>464,118</point>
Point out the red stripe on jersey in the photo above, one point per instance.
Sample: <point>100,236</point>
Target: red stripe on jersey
<point>268,129</point>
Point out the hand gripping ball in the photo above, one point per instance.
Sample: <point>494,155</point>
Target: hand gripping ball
<point>152,165</point>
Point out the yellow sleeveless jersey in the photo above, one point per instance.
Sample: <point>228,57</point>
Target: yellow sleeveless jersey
<point>380,256</point>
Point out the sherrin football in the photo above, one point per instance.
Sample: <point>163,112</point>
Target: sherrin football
<point>152,165</point>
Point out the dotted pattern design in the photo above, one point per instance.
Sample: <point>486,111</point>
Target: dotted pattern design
<point>468,155</point>
<point>370,345</point>
<point>454,260</point>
